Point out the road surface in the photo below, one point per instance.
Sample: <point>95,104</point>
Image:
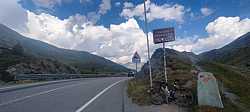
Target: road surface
<point>86,95</point>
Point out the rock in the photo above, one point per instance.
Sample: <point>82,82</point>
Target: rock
<point>41,67</point>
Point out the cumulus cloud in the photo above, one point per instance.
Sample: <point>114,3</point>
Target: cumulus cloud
<point>120,41</point>
<point>10,10</point>
<point>105,6</point>
<point>166,12</point>
<point>50,4</point>
<point>221,32</point>
<point>117,43</point>
<point>84,1</point>
<point>117,4</point>
<point>206,11</point>
<point>128,5</point>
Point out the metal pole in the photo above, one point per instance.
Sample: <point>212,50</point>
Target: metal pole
<point>146,31</point>
<point>165,63</point>
<point>136,67</point>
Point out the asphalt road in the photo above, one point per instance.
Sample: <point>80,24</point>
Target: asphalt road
<point>86,95</point>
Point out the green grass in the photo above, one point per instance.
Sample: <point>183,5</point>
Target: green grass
<point>229,107</point>
<point>236,82</point>
<point>176,69</point>
<point>137,91</point>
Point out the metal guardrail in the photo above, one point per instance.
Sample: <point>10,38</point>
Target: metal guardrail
<point>47,77</point>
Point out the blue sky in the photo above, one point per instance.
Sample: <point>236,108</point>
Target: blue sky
<point>114,29</point>
<point>191,25</point>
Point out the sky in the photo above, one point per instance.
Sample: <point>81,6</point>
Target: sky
<point>115,29</point>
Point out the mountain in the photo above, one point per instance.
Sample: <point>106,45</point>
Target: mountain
<point>13,61</point>
<point>236,53</point>
<point>84,61</point>
<point>179,66</point>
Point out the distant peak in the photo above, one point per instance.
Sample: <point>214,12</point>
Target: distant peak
<point>247,35</point>
<point>3,26</point>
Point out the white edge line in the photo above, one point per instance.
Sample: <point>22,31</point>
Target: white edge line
<point>37,94</point>
<point>98,95</point>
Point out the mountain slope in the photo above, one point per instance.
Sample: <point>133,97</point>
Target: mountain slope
<point>179,66</point>
<point>84,61</point>
<point>13,61</point>
<point>237,53</point>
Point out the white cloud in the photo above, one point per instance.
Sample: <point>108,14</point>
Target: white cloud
<point>166,12</point>
<point>221,32</point>
<point>117,4</point>
<point>12,15</point>
<point>84,1</point>
<point>50,4</point>
<point>93,17</point>
<point>128,5</point>
<point>206,11</point>
<point>46,3</point>
<point>117,43</point>
<point>105,6</point>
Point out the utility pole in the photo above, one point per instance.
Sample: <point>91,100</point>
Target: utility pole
<point>146,31</point>
<point>136,67</point>
<point>165,63</point>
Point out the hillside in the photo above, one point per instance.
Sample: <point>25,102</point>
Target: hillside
<point>13,61</point>
<point>231,66</point>
<point>84,61</point>
<point>234,85</point>
<point>178,65</point>
<point>237,53</point>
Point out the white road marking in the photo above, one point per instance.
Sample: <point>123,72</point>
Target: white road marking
<point>37,94</point>
<point>37,83</point>
<point>98,95</point>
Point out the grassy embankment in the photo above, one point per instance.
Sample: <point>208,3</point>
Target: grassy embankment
<point>234,81</point>
<point>138,88</point>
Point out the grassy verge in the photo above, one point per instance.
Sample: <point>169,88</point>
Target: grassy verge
<point>233,80</point>
<point>137,91</point>
<point>177,69</point>
<point>138,88</point>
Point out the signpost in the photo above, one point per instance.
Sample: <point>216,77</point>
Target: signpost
<point>136,59</point>
<point>164,35</point>
<point>161,36</point>
<point>146,31</point>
